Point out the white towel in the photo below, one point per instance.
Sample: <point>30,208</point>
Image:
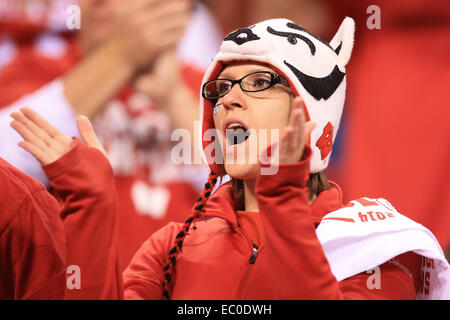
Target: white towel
<point>359,237</point>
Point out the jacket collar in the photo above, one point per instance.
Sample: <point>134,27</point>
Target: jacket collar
<point>221,203</point>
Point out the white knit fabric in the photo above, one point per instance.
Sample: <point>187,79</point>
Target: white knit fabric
<point>284,45</point>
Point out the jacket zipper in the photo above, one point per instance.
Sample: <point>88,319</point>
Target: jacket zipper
<point>247,272</point>
<point>249,267</point>
<point>254,254</point>
<point>251,260</point>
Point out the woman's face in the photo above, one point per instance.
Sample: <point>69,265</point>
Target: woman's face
<point>261,114</point>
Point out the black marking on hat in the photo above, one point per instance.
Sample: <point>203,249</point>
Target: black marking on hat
<point>290,36</point>
<point>319,88</point>
<point>300,28</point>
<point>338,49</point>
<point>241,36</point>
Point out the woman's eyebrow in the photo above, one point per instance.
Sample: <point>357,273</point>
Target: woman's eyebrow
<point>223,76</point>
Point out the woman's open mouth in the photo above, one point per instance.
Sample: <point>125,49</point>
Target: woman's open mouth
<point>236,132</point>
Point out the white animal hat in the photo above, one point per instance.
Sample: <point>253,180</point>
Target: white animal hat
<point>314,69</point>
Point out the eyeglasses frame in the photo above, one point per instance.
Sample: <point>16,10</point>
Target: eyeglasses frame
<point>274,79</point>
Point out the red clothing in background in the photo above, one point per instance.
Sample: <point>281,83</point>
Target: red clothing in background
<point>32,247</point>
<point>395,137</point>
<point>35,60</point>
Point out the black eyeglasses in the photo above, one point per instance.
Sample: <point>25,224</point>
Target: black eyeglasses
<point>253,82</point>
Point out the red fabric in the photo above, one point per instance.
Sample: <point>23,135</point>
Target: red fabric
<point>215,260</point>
<point>135,227</point>
<point>250,223</point>
<point>327,201</point>
<point>29,71</point>
<point>399,280</point>
<point>395,129</point>
<point>32,248</point>
<point>90,220</point>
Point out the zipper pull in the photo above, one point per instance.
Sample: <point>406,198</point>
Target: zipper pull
<point>254,254</point>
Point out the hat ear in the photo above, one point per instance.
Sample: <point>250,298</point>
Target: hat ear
<point>342,42</point>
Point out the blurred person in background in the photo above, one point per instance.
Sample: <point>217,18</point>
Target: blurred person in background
<point>32,251</point>
<point>118,70</point>
<point>313,14</point>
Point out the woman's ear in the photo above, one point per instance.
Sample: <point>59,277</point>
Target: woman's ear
<point>342,42</point>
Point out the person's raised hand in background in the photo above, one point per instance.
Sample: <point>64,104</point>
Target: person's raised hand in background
<point>165,86</point>
<point>120,46</point>
<point>146,28</point>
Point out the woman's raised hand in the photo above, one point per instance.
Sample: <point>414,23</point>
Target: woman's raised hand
<point>45,142</point>
<point>293,137</point>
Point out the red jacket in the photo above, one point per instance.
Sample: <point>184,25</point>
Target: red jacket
<point>84,185</point>
<point>218,260</point>
<point>32,248</point>
<point>42,242</point>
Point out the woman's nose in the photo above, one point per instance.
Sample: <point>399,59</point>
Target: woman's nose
<point>234,98</point>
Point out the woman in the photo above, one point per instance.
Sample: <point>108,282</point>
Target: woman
<point>278,230</point>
